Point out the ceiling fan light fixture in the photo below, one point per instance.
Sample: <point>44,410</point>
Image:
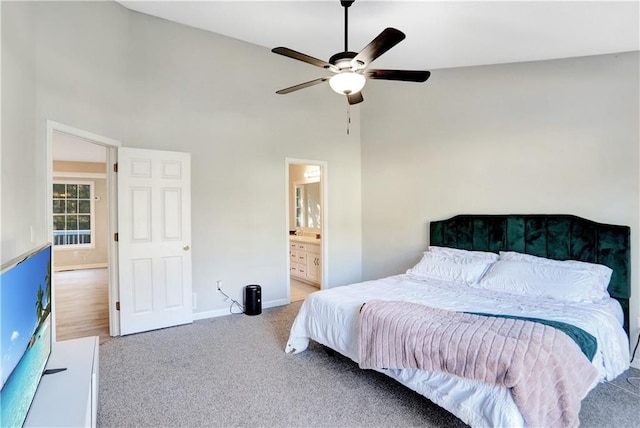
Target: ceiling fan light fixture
<point>347,82</point>
<point>352,68</point>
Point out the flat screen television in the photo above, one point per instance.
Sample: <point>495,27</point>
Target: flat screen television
<point>25,331</point>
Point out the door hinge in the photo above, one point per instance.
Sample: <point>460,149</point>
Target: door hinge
<point>115,236</point>
<point>115,167</point>
<point>117,306</point>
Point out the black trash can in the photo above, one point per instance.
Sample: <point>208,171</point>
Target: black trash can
<point>252,300</point>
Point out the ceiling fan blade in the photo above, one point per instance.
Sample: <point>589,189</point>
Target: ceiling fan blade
<point>355,98</point>
<point>302,86</point>
<point>404,75</point>
<point>385,41</point>
<point>302,57</point>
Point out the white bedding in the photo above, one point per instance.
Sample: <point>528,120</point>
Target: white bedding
<point>330,317</point>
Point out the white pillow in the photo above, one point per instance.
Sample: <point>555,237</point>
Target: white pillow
<point>601,274</point>
<point>466,270</point>
<point>456,252</point>
<point>542,280</point>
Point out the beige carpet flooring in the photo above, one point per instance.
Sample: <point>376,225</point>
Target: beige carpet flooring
<point>232,372</point>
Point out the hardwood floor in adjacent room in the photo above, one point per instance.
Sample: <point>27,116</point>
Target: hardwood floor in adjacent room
<point>82,304</point>
<point>300,290</point>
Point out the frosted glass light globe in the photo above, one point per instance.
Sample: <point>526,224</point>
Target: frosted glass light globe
<point>347,82</point>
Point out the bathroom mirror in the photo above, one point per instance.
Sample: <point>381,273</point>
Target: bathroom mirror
<point>307,199</point>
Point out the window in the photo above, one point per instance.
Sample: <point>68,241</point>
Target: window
<point>73,214</point>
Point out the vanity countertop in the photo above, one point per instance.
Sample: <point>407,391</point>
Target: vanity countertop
<point>309,239</point>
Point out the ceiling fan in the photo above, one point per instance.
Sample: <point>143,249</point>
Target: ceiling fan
<point>350,68</point>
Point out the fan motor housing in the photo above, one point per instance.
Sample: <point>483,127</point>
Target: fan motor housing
<point>342,60</point>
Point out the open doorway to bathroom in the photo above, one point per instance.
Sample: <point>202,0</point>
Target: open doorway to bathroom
<point>307,226</point>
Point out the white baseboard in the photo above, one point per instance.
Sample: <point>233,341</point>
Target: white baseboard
<point>80,267</point>
<point>210,314</point>
<point>275,303</point>
<point>223,312</point>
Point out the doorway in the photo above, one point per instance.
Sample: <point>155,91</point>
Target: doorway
<point>80,206</point>
<point>147,290</point>
<point>307,226</point>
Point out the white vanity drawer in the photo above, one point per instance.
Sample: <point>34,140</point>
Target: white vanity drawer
<point>313,248</point>
<point>305,259</point>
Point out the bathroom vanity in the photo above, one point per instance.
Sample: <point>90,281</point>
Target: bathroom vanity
<point>305,259</point>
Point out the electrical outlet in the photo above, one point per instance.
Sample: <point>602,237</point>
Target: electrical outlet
<point>219,285</point>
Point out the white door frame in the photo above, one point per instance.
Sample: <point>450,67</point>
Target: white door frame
<point>112,153</point>
<point>324,226</point>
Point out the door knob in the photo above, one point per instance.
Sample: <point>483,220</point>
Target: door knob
<point>186,248</point>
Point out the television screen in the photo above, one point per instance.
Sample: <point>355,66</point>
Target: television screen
<point>25,331</point>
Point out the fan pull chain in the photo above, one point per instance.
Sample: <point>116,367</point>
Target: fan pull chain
<point>348,117</point>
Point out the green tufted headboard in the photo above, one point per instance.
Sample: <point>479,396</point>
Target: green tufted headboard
<point>560,237</point>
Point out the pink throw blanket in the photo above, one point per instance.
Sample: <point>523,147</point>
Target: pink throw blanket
<point>546,371</point>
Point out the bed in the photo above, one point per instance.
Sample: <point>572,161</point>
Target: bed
<point>332,317</point>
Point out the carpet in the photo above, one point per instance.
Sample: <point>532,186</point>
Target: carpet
<point>232,372</point>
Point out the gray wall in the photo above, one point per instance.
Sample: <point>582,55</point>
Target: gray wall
<point>215,97</point>
<point>153,84</point>
<point>557,137</point>
<point>21,204</point>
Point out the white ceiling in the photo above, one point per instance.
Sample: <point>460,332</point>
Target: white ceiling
<point>440,34</point>
<point>68,148</point>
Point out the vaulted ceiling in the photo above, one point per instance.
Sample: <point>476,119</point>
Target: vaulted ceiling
<point>440,34</point>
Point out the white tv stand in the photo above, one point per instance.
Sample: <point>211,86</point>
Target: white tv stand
<point>68,398</point>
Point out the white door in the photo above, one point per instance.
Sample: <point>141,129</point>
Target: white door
<point>154,239</point>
